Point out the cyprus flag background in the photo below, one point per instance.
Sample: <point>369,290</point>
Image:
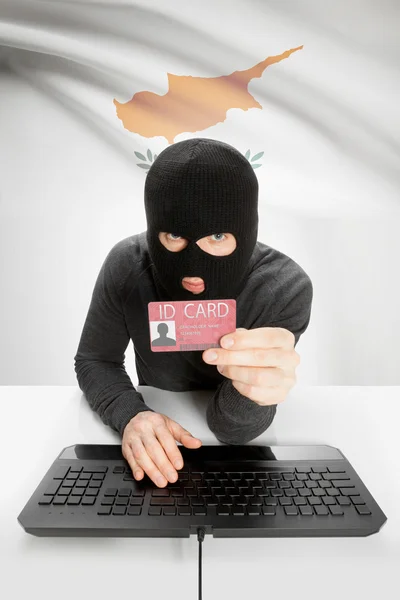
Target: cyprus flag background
<point>323,119</point>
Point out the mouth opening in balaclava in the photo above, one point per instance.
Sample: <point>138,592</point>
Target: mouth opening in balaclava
<point>194,189</point>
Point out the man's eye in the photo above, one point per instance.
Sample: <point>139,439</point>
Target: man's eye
<point>175,235</point>
<point>217,234</point>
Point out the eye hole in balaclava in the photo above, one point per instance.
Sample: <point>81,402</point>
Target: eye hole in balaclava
<point>194,189</point>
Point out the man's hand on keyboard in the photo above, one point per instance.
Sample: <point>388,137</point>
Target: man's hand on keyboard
<point>148,444</point>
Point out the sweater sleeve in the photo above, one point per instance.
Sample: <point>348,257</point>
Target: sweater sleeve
<point>234,418</point>
<point>99,361</point>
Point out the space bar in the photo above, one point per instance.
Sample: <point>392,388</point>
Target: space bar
<point>243,467</point>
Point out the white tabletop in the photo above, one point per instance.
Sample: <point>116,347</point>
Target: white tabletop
<point>363,422</point>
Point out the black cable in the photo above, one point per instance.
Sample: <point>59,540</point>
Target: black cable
<point>200,536</point>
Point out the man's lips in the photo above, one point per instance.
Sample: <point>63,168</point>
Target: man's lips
<point>193,284</point>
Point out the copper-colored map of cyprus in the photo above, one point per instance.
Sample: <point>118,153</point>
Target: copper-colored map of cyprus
<point>192,103</point>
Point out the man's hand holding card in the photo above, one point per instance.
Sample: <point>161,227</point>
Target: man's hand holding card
<point>260,362</point>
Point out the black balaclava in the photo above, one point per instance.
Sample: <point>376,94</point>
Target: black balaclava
<point>196,188</point>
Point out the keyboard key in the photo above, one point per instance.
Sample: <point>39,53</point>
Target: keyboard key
<point>311,484</point>
<point>223,510</point>
<point>137,492</point>
<point>355,499</point>
<point>343,483</point>
<point>61,473</point>
<point>96,470</point>
<point>315,500</point>
<point>186,502</point>
<point>195,476</point>
<point>85,476</point>
<point>297,484</point>
<point>169,511</point>
<point>45,500</point>
<point>78,492</point>
<point>270,501</point>
<point>107,502</point>
<point>75,469</point>
<point>81,484</point>
<point>119,470</point>
<point>288,476</point>
<point>197,502</point>
<point>277,492</point>
<point>349,491</point>
<point>119,510</point>
<point>363,510</point>
<point>211,501</point>
<point>319,469</point>
<point>235,476</point>
<point>238,510</point>
<point>275,476</point>
<point>334,476</point>
<point>305,492</point>
<point>73,500</point>
<point>52,488</point>
<point>291,492</point>
<point>306,510</point>
<point>95,484</point>
<point>88,501</point>
<point>332,492</point>
<point>268,510</point>
<point>91,492</point>
<point>291,510</point>
<point>124,492</point>
<point>155,511</point>
<point>315,476</point>
<point>121,501</point>
<point>64,491</point>
<point>301,501</point>
<point>162,502</point>
<point>134,511</point>
<point>104,510</point>
<point>324,484</point>
<point>336,510</point>
<point>344,500</point>
<point>329,500</point>
<point>160,492</point>
<point>111,492</point>
<point>248,476</point>
<point>253,511</point>
<point>98,476</point>
<point>321,510</point>
<point>303,469</point>
<point>136,501</point>
<point>184,511</point>
<point>284,485</point>
<point>199,510</point>
<point>71,476</point>
<point>336,470</point>
<point>261,475</point>
<point>285,501</point>
<point>301,476</point>
<point>59,500</point>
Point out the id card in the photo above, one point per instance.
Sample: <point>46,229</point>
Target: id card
<point>190,324</point>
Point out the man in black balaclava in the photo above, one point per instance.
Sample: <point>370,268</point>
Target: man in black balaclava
<point>194,189</point>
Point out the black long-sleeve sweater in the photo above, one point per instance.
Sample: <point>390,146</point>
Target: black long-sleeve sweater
<point>278,293</point>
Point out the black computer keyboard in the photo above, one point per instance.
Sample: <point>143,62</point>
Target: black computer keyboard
<point>230,491</point>
<point>317,490</point>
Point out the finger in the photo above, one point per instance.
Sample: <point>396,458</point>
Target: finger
<point>257,376</point>
<point>168,442</point>
<point>157,453</point>
<point>183,435</point>
<point>261,337</point>
<point>262,396</point>
<point>144,461</point>
<point>136,470</point>
<point>255,357</point>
